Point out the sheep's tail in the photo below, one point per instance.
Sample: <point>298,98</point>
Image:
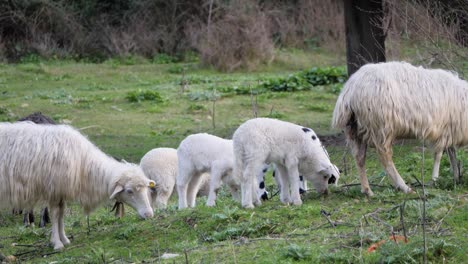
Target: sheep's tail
<point>343,114</point>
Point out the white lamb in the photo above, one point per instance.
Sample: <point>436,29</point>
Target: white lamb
<point>204,153</point>
<point>385,101</point>
<point>160,165</point>
<point>55,164</point>
<point>295,150</point>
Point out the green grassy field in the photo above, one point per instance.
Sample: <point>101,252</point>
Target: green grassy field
<point>107,102</point>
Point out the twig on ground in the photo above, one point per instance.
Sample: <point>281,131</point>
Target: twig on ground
<point>439,223</point>
<point>326,215</point>
<point>26,252</point>
<point>402,220</point>
<point>24,245</point>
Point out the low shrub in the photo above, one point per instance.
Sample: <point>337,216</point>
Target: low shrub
<point>147,95</point>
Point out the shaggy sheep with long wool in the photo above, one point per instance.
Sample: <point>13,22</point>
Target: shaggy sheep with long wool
<point>160,165</point>
<point>295,150</point>
<point>385,101</point>
<point>204,153</point>
<point>55,164</point>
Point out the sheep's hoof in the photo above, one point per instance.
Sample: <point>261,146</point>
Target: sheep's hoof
<point>58,246</point>
<point>297,202</point>
<point>65,241</point>
<point>210,204</point>
<point>368,192</point>
<point>249,206</point>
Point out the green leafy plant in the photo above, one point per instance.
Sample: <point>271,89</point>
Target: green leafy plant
<point>3,110</point>
<point>296,252</point>
<point>300,81</point>
<point>325,76</point>
<point>163,58</point>
<point>143,95</point>
<point>291,83</point>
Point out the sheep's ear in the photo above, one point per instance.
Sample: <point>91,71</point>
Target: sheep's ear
<point>118,188</point>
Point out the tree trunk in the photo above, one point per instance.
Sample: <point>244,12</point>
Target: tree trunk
<point>365,38</point>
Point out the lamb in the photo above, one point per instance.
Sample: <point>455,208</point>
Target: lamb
<point>160,165</point>
<point>295,150</point>
<point>385,101</point>
<point>55,164</point>
<point>202,153</point>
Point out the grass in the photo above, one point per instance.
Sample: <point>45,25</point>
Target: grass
<point>129,108</point>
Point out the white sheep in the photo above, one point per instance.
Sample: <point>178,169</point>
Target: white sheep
<point>160,165</point>
<point>55,164</point>
<point>204,153</point>
<point>295,150</point>
<point>385,101</point>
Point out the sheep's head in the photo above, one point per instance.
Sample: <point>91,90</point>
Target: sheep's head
<point>310,172</point>
<point>317,167</point>
<point>133,188</point>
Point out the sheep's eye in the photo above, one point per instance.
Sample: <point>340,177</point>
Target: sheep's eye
<point>129,191</point>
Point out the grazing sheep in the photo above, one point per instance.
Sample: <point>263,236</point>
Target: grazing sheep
<point>385,101</point>
<point>55,164</point>
<point>204,153</point>
<point>28,218</point>
<point>295,150</point>
<point>160,165</point>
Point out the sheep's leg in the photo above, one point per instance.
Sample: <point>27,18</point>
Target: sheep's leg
<point>182,182</point>
<point>215,184</point>
<point>63,237</point>
<point>255,187</point>
<point>302,184</point>
<point>454,164</point>
<point>385,154</point>
<point>44,217</point>
<point>359,150</point>
<point>293,175</point>
<point>283,180</point>
<point>247,182</point>
<point>435,169</point>
<point>28,218</point>
<point>55,235</point>
<point>162,197</point>
<point>193,189</point>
